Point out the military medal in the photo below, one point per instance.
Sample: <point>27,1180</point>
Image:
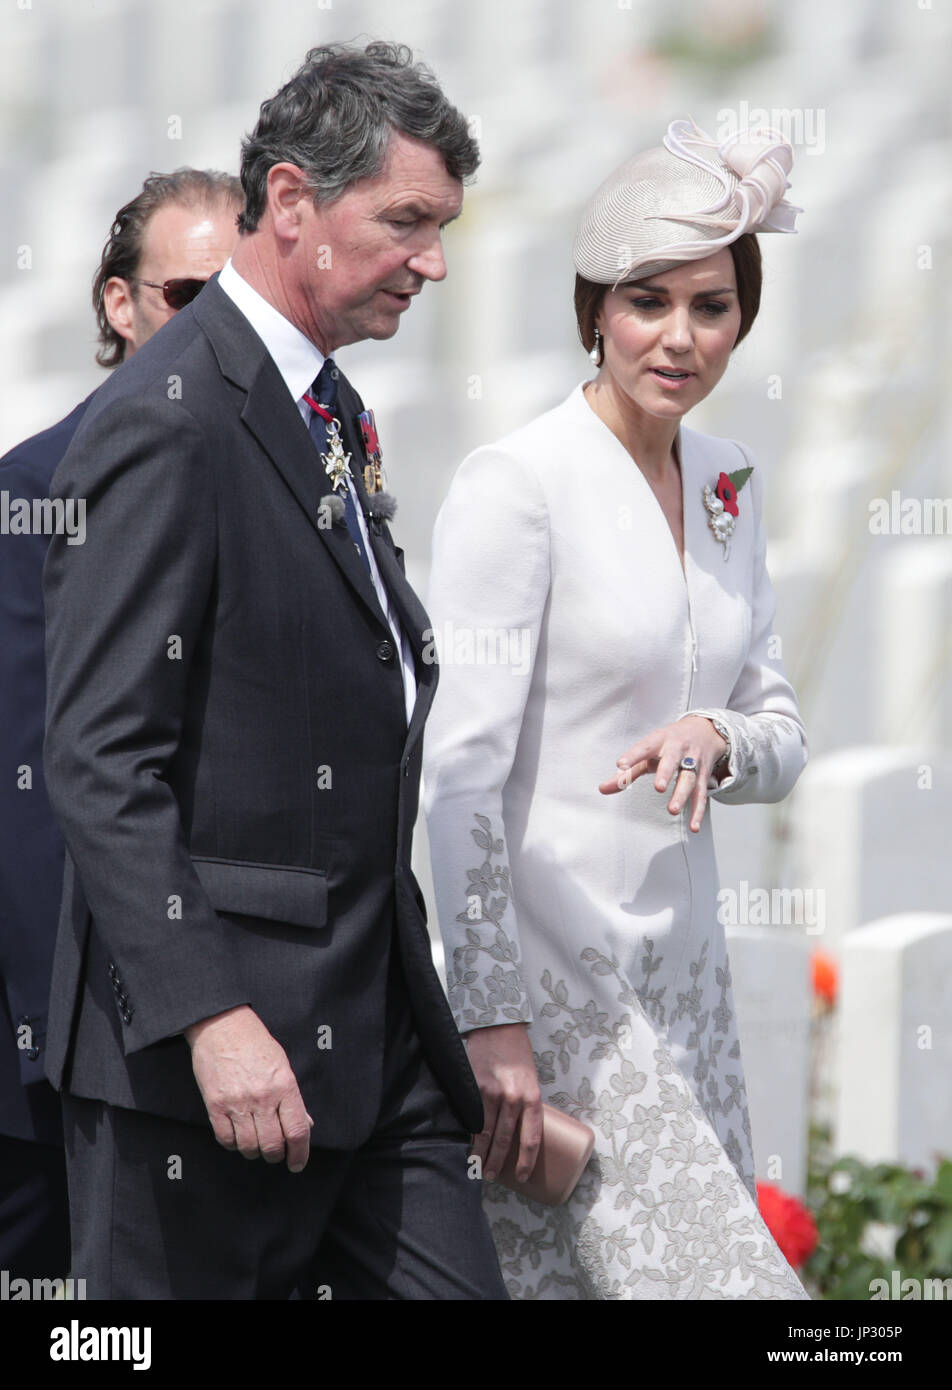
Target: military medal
<point>373,471</point>
<point>336,463</point>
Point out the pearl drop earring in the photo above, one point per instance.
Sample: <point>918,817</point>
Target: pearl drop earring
<point>595,355</point>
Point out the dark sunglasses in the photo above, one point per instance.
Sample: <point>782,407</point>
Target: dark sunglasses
<point>176,293</point>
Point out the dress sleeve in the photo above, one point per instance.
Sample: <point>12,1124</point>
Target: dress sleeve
<point>488,589</point>
<point>762,724</point>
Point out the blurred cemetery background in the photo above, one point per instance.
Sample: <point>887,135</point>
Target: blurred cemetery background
<point>840,391</point>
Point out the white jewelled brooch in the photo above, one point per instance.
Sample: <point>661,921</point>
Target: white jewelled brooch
<point>721,504</point>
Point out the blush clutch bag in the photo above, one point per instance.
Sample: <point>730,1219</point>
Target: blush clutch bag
<point>566,1147</point>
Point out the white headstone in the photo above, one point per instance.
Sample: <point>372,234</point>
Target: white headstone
<point>895,1101</point>
<point>914,614</point>
<point>871,826</point>
<point>773,1000</point>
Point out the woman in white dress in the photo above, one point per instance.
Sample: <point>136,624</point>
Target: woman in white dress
<point>598,592</point>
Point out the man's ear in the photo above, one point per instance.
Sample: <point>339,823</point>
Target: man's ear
<point>288,194</point>
<point>119,306</point>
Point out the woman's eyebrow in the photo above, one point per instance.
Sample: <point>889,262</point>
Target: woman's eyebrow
<point>660,289</point>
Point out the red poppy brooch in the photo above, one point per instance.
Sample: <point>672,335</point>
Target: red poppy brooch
<point>721,504</point>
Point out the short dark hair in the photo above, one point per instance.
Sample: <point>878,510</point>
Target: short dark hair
<point>748,269</point>
<point>122,254</point>
<point>334,119</point>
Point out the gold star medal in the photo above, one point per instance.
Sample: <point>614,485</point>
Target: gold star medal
<point>336,463</point>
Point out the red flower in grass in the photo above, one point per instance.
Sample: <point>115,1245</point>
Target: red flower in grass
<point>727,492</point>
<point>826,978</point>
<point>789,1222</point>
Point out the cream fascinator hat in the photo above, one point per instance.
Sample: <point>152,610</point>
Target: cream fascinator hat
<point>684,201</point>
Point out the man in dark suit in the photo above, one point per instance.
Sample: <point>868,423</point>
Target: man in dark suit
<point>177,231</point>
<point>237,696</point>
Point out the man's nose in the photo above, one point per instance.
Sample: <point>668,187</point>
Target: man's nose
<point>429,262</point>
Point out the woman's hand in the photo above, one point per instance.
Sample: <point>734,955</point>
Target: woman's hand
<point>502,1062</point>
<point>661,752</point>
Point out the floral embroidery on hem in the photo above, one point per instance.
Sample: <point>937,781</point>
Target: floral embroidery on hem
<point>662,1211</point>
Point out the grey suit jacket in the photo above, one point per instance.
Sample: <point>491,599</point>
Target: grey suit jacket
<point>227,749</point>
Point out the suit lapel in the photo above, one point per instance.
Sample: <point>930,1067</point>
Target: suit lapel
<point>413,616</point>
<point>288,443</point>
<point>275,422</point>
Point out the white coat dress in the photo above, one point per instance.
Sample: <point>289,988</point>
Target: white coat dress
<point>567,630</point>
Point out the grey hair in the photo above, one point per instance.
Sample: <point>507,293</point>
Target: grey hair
<point>334,119</point>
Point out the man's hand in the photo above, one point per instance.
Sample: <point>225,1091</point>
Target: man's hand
<point>502,1063</point>
<point>249,1089</point>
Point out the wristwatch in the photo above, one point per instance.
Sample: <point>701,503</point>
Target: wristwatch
<point>725,734</point>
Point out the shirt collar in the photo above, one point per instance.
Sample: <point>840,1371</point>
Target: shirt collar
<point>296,357</point>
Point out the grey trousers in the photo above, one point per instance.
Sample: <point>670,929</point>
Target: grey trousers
<point>159,1210</point>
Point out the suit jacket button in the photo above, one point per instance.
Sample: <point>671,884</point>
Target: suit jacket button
<point>33,1053</point>
<point>385,651</point>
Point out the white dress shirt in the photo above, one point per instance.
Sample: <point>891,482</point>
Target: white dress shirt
<point>299,362</point>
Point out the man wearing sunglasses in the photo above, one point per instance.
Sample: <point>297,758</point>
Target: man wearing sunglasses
<point>162,247</point>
